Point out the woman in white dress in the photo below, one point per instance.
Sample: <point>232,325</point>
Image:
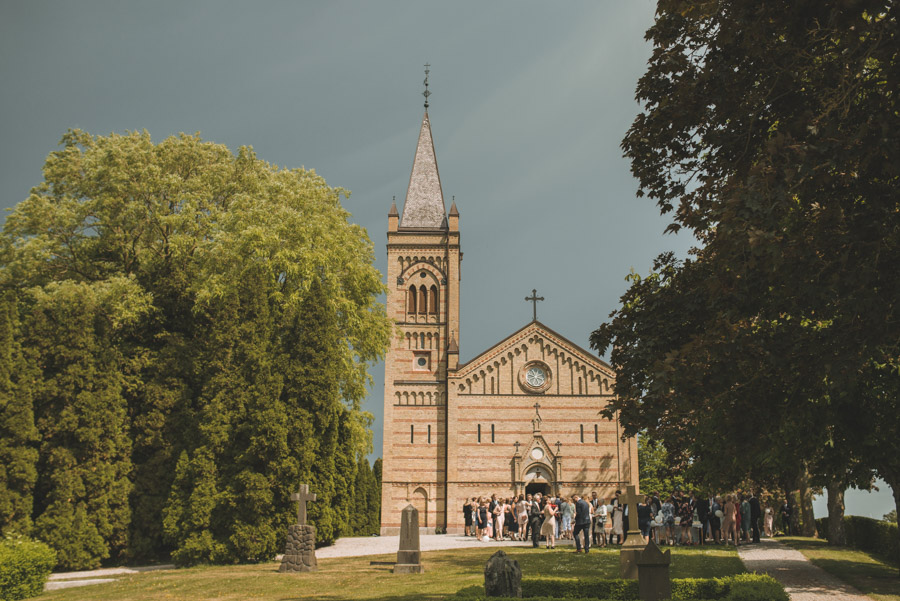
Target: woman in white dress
<point>522,516</point>
<point>499,517</point>
<point>617,513</point>
<point>548,528</point>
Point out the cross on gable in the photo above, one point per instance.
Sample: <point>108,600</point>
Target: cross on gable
<point>517,443</point>
<point>534,298</point>
<point>301,497</point>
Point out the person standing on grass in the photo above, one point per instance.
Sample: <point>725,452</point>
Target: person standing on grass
<point>568,512</point>
<point>467,516</point>
<point>601,515</point>
<point>786,512</point>
<point>548,527</point>
<point>499,518</point>
<point>582,524</point>
<point>643,517</point>
<point>702,508</point>
<point>729,526</point>
<point>535,517</point>
<point>754,516</point>
<point>522,517</point>
<point>746,514</point>
<point>617,520</point>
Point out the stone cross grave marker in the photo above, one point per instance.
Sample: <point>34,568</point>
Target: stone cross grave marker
<point>301,497</point>
<point>300,551</point>
<point>634,543</point>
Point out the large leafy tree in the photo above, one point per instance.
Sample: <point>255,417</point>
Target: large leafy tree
<point>769,131</point>
<point>198,268</point>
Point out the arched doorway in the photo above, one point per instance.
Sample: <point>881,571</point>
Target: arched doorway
<point>533,487</point>
<point>538,478</point>
<point>420,502</point>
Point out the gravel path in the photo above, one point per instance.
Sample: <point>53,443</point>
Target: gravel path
<point>378,545</point>
<point>802,580</point>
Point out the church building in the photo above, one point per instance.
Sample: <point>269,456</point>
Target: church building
<point>520,417</point>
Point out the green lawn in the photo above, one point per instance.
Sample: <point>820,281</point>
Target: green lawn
<point>353,578</point>
<point>874,576</point>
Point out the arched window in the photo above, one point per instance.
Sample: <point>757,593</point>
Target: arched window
<point>492,432</point>
<point>411,433</point>
<point>411,300</point>
<point>596,433</point>
<point>479,432</point>
<point>434,300</point>
<point>423,299</point>
<point>429,433</point>
<point>582,432</point>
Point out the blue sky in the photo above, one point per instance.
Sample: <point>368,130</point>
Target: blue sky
<point>530,101</point>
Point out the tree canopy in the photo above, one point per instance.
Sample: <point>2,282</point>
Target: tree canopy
<point>769,130</point>
<point>200,325</point>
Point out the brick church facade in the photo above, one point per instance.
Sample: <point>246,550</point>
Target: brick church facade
<point>523,416</point>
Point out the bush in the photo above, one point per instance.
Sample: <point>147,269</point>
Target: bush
<point>866,534</point>
<point>755,587</point>
<point>24,567</point>
<point>595,588</point>
<point>742,587</point>
<point>699,588</point>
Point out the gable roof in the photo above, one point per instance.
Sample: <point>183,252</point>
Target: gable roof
<point>524,333</point>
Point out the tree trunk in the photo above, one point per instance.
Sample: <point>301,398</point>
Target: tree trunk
<point>836,535</point>
<point>808,518</point>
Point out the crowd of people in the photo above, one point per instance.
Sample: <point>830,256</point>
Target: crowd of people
<point>678,519</point>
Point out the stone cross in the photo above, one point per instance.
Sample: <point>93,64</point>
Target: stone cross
<point>634,543</point>
<point>534,298</point>
<point>301,497</point>
<point>558,444</point>
<point>517,443</point>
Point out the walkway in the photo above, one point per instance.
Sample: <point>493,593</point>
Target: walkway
<point>802,580</point>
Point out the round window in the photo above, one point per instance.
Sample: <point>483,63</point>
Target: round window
<point>422,361</point>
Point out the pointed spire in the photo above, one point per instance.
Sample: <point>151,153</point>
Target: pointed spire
<point>393,212</point>
<point>454,212</point>
<point>424,207</point>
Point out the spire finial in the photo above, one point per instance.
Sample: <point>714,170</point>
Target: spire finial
<point>426,93</point>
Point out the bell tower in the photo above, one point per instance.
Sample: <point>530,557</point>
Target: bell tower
<point>423,278</point>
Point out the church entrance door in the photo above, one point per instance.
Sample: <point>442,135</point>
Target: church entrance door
<point>537,487</point>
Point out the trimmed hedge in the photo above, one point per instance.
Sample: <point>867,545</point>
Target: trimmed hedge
<point>24,567</point>
<point>867,534</point>
<point>742,587</point>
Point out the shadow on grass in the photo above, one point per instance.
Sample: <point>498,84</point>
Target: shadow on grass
<point>871,574</point>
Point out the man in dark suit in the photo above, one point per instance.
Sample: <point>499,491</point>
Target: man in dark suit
<point>786,512</point>
<point>535,518</point>
<point>582,524</point>
<point>702,507</point>
<point>755,514</point>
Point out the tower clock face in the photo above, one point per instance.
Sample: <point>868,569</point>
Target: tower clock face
<point>535,376</point>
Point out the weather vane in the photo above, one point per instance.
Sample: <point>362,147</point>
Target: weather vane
<point>426,93</point>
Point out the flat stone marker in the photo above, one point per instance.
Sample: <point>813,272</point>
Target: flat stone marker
<point>409,556</point>
<point>634,544</point>
<point>654,583</point>
<point>300,551</point>
<point>502,576</point>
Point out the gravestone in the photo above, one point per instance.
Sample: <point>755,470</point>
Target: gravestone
<point>634,544</point>
<point>653,574</point>
<point>300,550</point>
<point>502,576</point>
<point>409,554</point>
